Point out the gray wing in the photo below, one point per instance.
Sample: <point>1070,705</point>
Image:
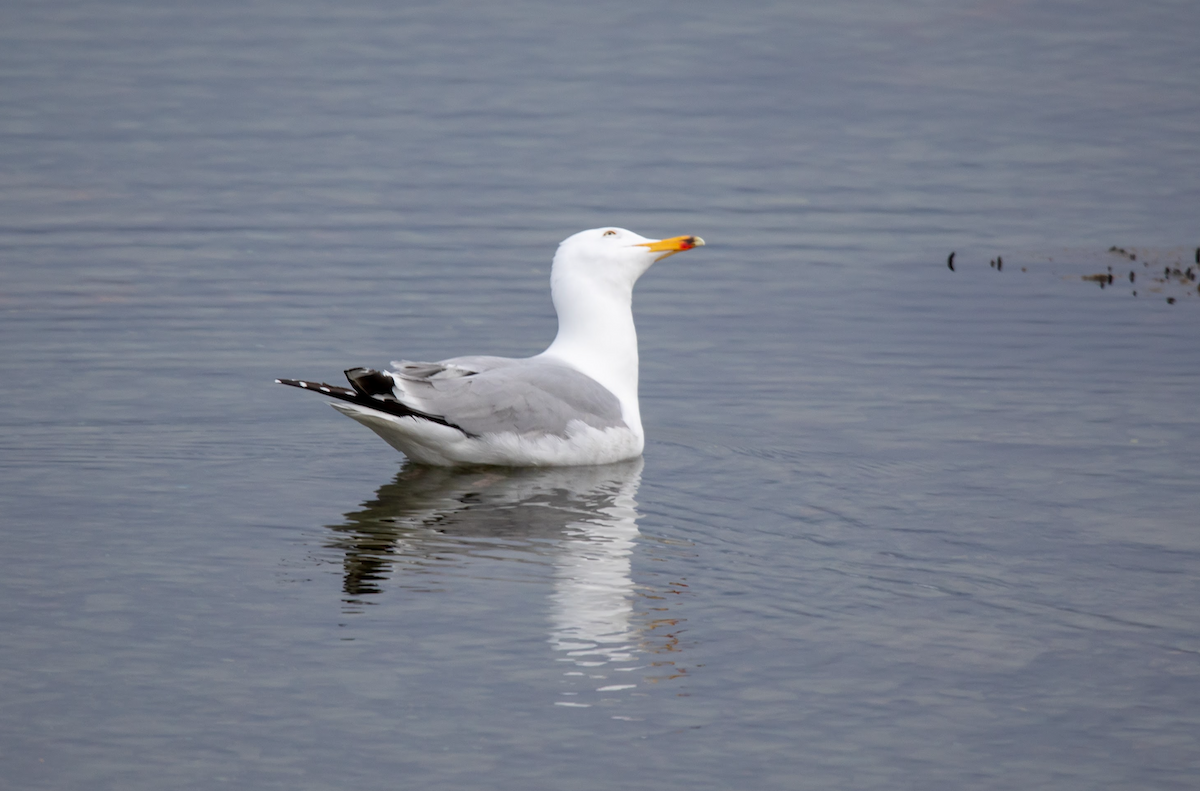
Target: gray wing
<point>485,395</point>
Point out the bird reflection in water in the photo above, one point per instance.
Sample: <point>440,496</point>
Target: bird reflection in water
<point>581,521</point>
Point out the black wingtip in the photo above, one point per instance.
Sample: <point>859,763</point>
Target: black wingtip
<point>369,382</point>
<point>320,387</point>
<point>384,402</point>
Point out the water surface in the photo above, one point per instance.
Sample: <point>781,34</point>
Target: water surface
<point>895,527</point>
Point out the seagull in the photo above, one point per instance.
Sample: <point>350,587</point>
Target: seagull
<point>574,404</point>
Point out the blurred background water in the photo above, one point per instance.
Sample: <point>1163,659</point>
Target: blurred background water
<point>895,527</point>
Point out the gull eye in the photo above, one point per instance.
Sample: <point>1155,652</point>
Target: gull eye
<point>610,233</point>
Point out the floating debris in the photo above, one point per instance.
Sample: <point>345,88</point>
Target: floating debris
<point>950,261</point>
<point>1170,300</point>
<point>1178,279</point>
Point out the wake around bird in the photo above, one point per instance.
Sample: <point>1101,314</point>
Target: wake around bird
<point>575,403</point>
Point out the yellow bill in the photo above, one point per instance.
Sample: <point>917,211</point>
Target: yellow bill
<point>675,244</point>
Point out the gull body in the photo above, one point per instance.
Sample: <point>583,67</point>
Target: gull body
<point>575,403</point>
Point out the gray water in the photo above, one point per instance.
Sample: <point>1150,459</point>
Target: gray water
<point>895,527</point>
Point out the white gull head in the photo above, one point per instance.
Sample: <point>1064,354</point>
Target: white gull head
<point>591,283</point>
